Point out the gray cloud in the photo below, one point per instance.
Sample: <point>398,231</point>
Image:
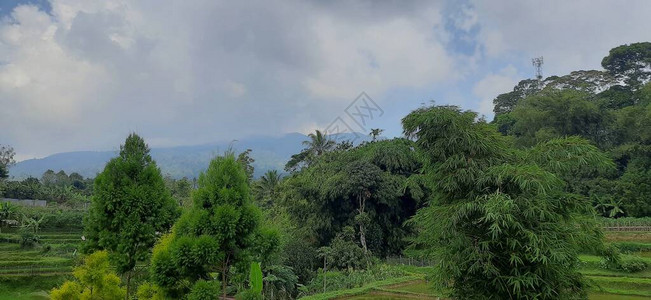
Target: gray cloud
<point>90,71</point>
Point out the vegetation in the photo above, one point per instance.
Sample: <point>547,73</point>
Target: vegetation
<point>539,203</point>
<point>218,233</point>
<point>130,207</point>
<point>94,280</point>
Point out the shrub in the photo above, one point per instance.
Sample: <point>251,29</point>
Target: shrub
<point>632,264</point>
<point>339,280</point>
<point>625,263</point>
<point>205,290</point>
<point>28,238</point>
<point>249,295</point>
<point>629,247</point>
<point>148,291</point>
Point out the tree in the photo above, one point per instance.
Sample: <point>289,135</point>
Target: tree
<point>557,114</point>
<point>6,160</point>
<point>267,187</point>
<point>499,220</point>
<point>7,211</point>
<point>630,62</point>
<point>219,232</point>
<point>95,280</point>
<point>375,133</point>
<point>371,188</point>
<point>318,144</point>
<point>48,178</point>
<point>130,207</point>
<point>246,160</point>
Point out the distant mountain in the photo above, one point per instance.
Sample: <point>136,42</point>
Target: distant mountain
<point>183,161</point>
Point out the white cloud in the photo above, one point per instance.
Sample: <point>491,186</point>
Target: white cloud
<point>571,35</point>
<point>89,72</point>
<point>492,85</point>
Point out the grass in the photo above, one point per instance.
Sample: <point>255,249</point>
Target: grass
<point>622,285</point>
<point>28,288</point>
<point>363,289</point>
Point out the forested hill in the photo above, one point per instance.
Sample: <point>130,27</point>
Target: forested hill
<point>609,107</point>
<point>185,161</point>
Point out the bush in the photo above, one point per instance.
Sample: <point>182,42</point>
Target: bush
<point>339,280</point>
<point>625,263</point>
<point>249,295</point>
<point>28,238</point>
<point>632,264</point>
<point>629,247</point>
<point>205,290</point>
<point>148,291</point>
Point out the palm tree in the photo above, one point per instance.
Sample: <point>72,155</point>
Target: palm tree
<point>375,133</point>
<point>319,143</point>
<point>267,186</point>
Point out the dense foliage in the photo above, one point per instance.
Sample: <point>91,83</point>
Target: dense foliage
<point>218,233</point>
<point>610,108</point>
<point>499,221</point>
<point>130,207</point>
<point>93,280</point>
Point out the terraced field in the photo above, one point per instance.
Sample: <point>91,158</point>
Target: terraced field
<point>28,273</point>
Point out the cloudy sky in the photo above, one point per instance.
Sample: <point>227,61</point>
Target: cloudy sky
<point>82,74</point>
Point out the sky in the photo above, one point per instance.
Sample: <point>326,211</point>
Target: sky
<point>82,74</point>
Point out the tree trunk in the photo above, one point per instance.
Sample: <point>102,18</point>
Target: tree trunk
<point>362,237</point>
<point>224,283</point>
<point>126,297</point>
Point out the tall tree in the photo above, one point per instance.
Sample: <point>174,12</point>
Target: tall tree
<point>630,62</point>
<point>266,188</point>
<point>318,144</point>
<point>130,207</point>
<point>6,160</point>
<point>375,133</point>
<point>499,220</point>
<point>220,231</point>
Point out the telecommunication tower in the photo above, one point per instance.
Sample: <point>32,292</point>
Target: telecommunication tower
<point>537,63</point>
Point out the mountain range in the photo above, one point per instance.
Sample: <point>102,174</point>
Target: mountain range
<point>269,153</point>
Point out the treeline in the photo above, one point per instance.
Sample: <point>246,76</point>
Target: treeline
<point>610,108</point>
<point>72,190</point>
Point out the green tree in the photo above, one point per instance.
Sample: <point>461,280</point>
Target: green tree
<point>557,114</point>
<point>247,161</point>
<point>48,178</point>
<point>499,221</point>
<point>371,188</point>
<point>318,144</point>
<point>632,62</point>
<point>219,232</point>
<point>375,133</point>
<point>266,189</point>
<point>130,207</point>
<point>94,280</point>
<point>7,211</point>
<point>6,160</point>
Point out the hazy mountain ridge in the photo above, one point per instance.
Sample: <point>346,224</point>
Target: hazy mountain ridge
<point>181,161</point>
